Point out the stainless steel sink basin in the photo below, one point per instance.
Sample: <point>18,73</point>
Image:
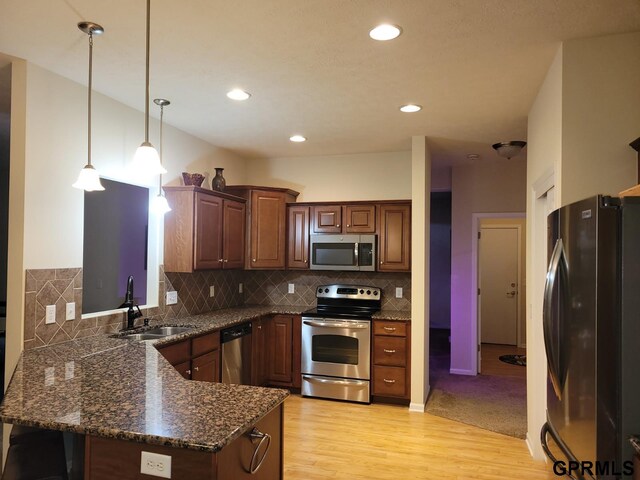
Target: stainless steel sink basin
<point>166,331</point>
<point>142,336</point>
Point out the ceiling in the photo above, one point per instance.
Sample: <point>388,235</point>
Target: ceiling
<point>312,69</point>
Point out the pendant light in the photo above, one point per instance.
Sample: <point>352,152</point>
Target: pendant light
<point>160,204</point>
<point>89,179</point>
<point>146,161</point>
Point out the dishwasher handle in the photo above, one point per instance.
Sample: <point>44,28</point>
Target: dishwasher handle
<point>233,333</point>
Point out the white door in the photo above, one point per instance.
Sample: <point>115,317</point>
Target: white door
<point>498,272</point>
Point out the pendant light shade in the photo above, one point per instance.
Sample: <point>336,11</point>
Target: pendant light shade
<point>146,161</point>
<point>160,206</point>
<point>89,179</point>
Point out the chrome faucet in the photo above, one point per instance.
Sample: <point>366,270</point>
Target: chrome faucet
<point>130,304</point>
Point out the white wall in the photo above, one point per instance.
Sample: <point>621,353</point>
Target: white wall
<point>364,176</point>
<point>482,187</point>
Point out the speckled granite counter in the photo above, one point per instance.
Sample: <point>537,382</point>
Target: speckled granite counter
<point>402,315</point>
<point>124,389</point>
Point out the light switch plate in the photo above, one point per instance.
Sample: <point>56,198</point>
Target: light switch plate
<point>155,464</point>
<point>398,292</point>
<point>292,288</point>
<point>172,298</point>
<point>212,290</point>
<point>240,288</point>
<point>51,314</point>
<point>71,311</point>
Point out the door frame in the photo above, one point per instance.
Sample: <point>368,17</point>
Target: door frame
<point>475,324</point>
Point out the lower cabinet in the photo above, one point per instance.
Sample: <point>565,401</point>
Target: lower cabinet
<point>283,350</point>
<point>107,458</point>
<point>391,361</point>
<point>197,358</point>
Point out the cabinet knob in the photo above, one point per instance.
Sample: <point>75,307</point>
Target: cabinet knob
<point>259,327</point>
<point>220,260</point>
<point>253,259</point>
<point>386,380</point>
<point>197,369</point>
<point>338,225</point>
<point>188,372</point>
<point>381,262</point>
<point>226,261</point>
<point>348,225</point>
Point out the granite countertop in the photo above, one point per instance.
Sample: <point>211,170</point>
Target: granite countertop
<point>400,315</point>
<point>125,389</point>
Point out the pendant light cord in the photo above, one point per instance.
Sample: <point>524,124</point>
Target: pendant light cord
<point>146,101</point>
<point>89,97</point>
<point>161,118</point>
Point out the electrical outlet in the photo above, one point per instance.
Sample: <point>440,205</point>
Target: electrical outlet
<point>398,292</point>
<point>51,314</point>
<point>172,298</point>
<point>49,376</point>
<point>212,290</point>
<point>155,464</point>
<point>69,370</point>
<point>240,288</point>
<point>292,288</point>
<point>71,311</point>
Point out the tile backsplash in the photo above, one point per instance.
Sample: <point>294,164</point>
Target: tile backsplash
<point>63,285</point>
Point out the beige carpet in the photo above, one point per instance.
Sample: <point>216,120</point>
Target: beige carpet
<point>494,403</point>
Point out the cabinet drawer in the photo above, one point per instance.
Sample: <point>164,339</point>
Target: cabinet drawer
<point>177,353</point>
<point>389,381</point>
<point>205,343</point>
<point>394,329</point>
<point>390,351</point>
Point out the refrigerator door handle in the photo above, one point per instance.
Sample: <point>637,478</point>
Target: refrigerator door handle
<point>558,262</point>
<point>546,430</point>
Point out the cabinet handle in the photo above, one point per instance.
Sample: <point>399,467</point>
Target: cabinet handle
<point>188,372</point>
<point>226,261</point>
<point>386,350</point>
<point>389,329</point>
<point>253,259</point>
<point>386,380</point>
<point>197,369</point>
<point>259,327</point>
<point>257,435</point>
<point>220,260</point>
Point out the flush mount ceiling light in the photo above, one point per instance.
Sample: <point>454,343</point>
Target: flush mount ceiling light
<point>237,94</point>
<point>509,149</point>
<point>410,108</point>
<point>473,156</point>
<point>385,32</point>
<point>89,179</point>
<point>297,138</point>
<point>159,204</point>
<point>146,161</point>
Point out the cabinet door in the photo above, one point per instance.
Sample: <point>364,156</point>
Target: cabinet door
<point>184,369</point>
<point>395,238</point>
<point>258,351</point>
<point>327,219</point>
<point>233,233</point>
<point>298,238</point>
<point>208,238</point>
<point>268,229</point>
<point>360,218</point>
<point>296,353</point>
<point>206,368</point>
<point>280,350</point>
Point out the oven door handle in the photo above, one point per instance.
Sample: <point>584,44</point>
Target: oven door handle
<point>349,325</point>
<point>355,383</point>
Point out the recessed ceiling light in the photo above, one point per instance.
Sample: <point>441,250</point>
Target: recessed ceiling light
<point>237,94</point>
<point>298,138</point>
<point>385,32</point>
<point>410,108</point>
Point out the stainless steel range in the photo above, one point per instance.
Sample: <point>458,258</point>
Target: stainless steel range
<point>336,342</point>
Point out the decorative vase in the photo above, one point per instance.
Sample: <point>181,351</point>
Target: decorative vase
<point>218,183</point>
<point>192,178</point>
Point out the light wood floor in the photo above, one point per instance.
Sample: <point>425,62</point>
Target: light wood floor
<point>336,440</point>
<point>491,364</point>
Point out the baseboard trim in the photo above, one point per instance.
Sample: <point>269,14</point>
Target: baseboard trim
<point>461,371</point>
<point>420,407</point>
<point>536,453</point>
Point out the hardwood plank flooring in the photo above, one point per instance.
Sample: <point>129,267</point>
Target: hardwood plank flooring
<point>491,364</point>
<point>326,440</point>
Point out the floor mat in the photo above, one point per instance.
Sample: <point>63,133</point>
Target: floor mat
<point>520,360</point>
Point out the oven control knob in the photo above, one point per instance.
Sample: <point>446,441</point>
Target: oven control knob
<point>375,292</point>
<point>326,290</point>
<point>368,292</point>
<point>319,290</point>
<point>361,291</point>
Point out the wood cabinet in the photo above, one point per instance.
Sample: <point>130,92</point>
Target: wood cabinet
<point>196,358</point>
<point>391,360</point>
<point>204,230</point>
<point>394,239</point>
<point>298,237</point>
<point>266,224</point>
<point>259,351</point>
<point>332,218</point>
<point>107,458</point>
<point>283,350</point>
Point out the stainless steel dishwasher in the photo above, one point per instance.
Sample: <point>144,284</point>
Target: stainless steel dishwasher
<point>236,354</point>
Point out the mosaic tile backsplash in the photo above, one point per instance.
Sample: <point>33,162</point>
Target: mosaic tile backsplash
<point>60,286</point>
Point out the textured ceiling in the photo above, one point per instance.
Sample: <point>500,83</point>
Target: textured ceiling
<point>312,69</point>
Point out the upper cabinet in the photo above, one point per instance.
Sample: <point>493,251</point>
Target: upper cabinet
<point>266,224</point>
<point>298,237</point>
<point>343,218</point>
<point>394,239</point>
<point>204,230</point>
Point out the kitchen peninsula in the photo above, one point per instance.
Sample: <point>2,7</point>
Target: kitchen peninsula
<point>125,397</point>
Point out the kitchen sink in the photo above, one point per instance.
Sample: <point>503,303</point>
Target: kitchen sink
<point>141,336</point>
<point>166,331</point>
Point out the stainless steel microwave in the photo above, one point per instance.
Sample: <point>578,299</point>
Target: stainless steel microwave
<point>343,252</point>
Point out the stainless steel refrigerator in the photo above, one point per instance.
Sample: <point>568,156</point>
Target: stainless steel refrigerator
<point>591,323</point>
